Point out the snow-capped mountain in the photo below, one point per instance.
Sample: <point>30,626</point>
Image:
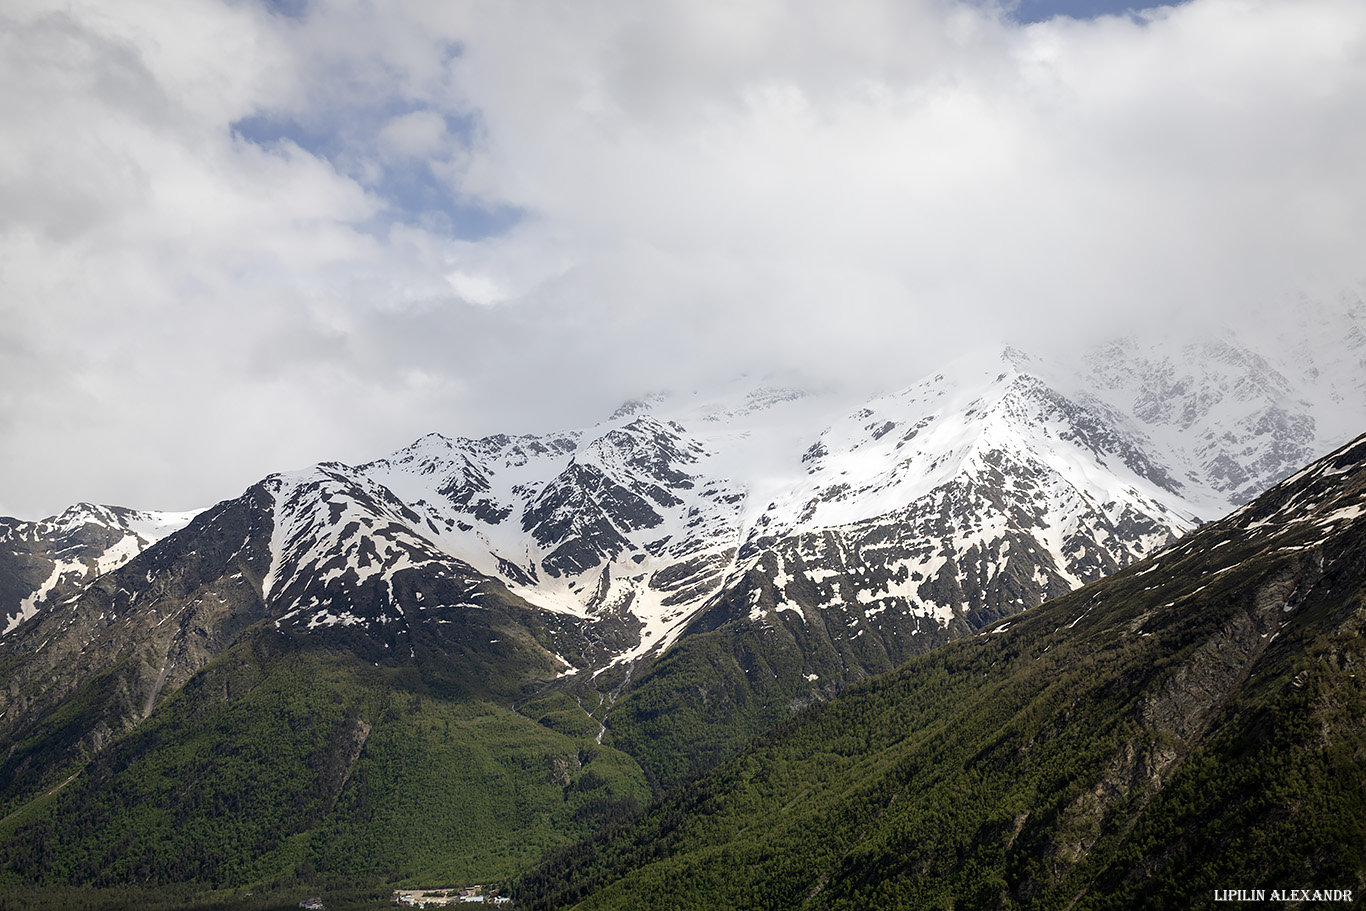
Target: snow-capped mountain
<point>997,482</point>
<point>1236,414</point>
<point>979,489</point>
<point>54,558</point>
<point>866,529</point>
<point>985,488</point>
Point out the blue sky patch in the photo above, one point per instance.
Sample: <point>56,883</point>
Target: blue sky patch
<point>413,193</point>
<point>1042,10</point>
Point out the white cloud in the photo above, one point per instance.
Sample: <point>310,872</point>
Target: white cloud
<point>420,134</point>
<point>843,189</point>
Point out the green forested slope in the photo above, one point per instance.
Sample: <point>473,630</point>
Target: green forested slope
<point>284,759</point>
<point>730,678</point>
<point>704,699</point>
<point>1195,723</point>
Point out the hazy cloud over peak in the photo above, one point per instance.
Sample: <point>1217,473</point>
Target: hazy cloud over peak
<point>237,237</point>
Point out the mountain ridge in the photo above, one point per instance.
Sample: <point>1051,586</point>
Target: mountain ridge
<point>54,557</point>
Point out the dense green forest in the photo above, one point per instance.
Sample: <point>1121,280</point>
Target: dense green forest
<point>284,760</point>
<point>703,701</point>
<point>337,895</point>
<point>729,679</point>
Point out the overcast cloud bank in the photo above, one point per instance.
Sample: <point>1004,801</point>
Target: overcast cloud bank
<point>237,238</point>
